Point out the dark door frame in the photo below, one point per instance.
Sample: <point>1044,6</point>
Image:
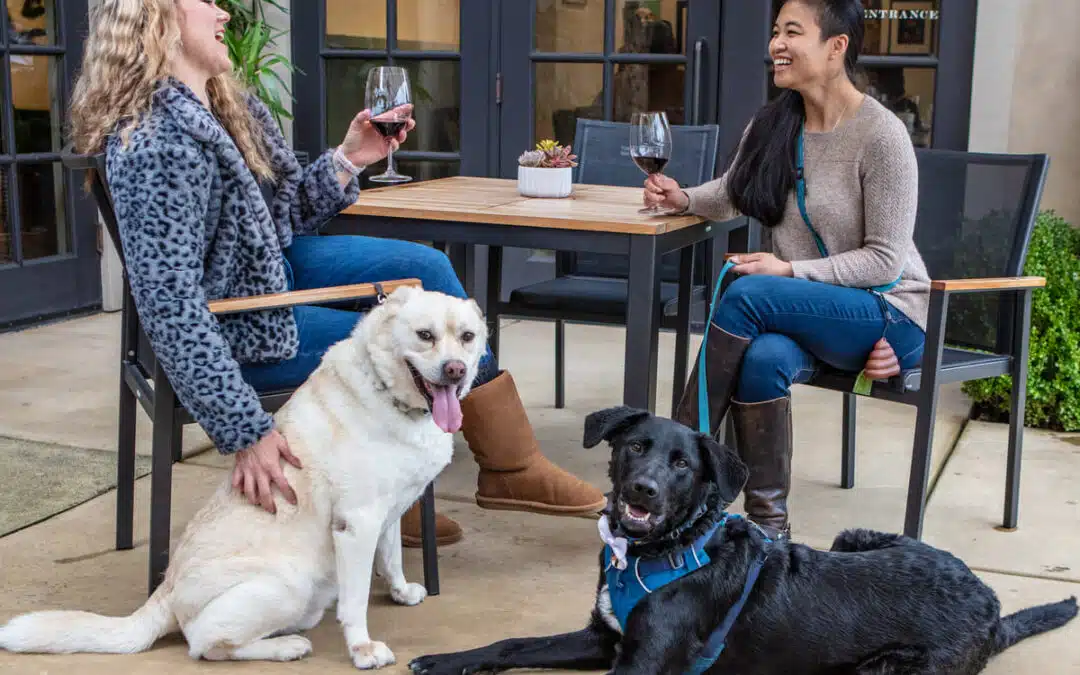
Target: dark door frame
<point>43,288</point>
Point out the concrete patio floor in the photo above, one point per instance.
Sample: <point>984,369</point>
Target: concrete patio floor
<point>520,574</point>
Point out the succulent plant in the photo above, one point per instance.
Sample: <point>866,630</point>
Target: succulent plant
<point>548,154</point>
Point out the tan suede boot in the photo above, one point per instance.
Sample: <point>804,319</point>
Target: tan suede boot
<point>446,530</point>
<point>514,474</point>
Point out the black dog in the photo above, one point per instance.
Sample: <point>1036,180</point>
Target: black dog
<point>875,603</point>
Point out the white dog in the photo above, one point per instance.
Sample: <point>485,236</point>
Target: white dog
<point>372,427</point>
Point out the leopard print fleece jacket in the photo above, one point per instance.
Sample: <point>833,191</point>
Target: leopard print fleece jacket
<point>194,227</point>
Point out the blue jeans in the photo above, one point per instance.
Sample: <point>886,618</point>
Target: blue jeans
<point>322,261</point>
<point>795,325</point>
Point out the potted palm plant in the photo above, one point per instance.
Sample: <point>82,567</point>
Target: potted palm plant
<point>546,171</point>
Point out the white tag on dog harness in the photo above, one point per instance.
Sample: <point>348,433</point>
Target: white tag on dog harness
<point>618,544</point>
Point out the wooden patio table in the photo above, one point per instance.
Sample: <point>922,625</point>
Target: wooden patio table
<point>595,218</point>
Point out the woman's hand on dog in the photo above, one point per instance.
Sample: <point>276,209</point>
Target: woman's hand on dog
<point>882,363</point>
<point>659,189</point>
<point>259,465</point>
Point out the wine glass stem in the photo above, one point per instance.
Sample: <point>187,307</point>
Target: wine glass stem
<point>390,161</point>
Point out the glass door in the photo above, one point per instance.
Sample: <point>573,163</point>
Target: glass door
<point>442,46</point>
<point>48,246</point>
<point>561,60</point>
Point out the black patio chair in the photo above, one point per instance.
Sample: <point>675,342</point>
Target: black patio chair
<point>143,380</point>
<point>592,287</point>
<point>975,219</point>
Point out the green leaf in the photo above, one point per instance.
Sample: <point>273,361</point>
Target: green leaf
<point>863,384</point>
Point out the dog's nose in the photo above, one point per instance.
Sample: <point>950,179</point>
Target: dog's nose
<point>646,486</point>
<point>454,370</point>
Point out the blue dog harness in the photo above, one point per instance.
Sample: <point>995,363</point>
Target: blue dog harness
<point>630,578</point>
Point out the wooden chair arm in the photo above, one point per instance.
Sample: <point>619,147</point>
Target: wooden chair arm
<point>990,284</point>
<point>309,296</point>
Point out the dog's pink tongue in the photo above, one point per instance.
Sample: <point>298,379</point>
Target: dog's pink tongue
<point>446,409</point>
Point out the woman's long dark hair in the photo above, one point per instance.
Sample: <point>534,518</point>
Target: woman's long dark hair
<point>764,173</point>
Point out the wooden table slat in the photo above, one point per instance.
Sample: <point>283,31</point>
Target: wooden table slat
<point>596,208</point>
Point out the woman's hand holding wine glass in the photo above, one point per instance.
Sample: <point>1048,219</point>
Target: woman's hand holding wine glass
<point>650,146</point>
<point>365,143</point>
<point>389,99</point>
<point>662,191</point>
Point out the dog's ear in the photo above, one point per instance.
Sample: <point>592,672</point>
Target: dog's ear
<point>729,472</point>
<point>602,424</point>
<point>402,294</point>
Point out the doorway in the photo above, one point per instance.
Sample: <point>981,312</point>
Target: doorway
<point>48,246</point>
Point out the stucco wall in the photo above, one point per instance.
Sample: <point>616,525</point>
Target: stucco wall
<point>1026,90</point>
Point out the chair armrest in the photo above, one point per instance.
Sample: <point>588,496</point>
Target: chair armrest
<point>305,297</point>
<point>991,284</point>
<point>77,162</point>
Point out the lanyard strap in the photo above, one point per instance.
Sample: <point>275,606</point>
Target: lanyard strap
<point>703,382</point>
<point>800,195</point>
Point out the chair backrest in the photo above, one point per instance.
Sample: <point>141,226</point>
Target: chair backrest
<point>976,215</point>
<point>603,150</point>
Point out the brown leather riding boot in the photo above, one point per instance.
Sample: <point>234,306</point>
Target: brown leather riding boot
<point>446,530</point>
<point>514,474</point>
<point>723,356</point>
<point>763,440</point>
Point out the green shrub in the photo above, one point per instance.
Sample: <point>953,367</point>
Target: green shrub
<point>1053,387</point>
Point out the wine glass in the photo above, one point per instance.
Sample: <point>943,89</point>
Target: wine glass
<point>389,99</point>
<point>650,145</point>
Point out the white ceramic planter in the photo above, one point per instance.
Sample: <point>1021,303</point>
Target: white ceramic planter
<point>549,183</point>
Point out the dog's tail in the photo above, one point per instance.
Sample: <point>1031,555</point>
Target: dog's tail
<point>65,632</point>
<point>1034,620</point>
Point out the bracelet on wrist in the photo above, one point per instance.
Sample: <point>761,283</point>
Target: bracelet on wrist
<point>342,163</point>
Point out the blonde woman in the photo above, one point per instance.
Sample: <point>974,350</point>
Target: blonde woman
<point>186,151</point>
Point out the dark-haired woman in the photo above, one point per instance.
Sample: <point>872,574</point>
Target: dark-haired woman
<point>832,174</point>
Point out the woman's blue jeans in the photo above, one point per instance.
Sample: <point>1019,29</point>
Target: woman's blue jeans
<point>322,261</point>
<point>796,325</point>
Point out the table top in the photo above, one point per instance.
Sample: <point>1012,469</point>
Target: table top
<point>596,208</point>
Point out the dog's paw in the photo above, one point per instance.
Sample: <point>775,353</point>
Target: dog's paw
<point>371,655</point>
<point>291,648</point>
<point>441,664</point>
<point>409,594</point>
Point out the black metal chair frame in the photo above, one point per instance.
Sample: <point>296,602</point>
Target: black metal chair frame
<point>943,364</point>
<point>674,315</point>
<point>142,379</point>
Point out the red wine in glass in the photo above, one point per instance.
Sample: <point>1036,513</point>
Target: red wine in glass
<point>389,98</point>
<point>650,145</point>
<point>388,127</point>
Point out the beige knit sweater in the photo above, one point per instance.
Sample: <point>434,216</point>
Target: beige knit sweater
<point>861,194</point>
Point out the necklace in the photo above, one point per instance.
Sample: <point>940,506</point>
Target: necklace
<point>839,119</point>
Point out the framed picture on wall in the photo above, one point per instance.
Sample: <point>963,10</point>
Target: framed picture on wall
<point>912,35</point>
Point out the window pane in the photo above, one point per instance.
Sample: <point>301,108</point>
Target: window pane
<point>34,89</point>
<point>570,26</point>
<point>7,246</point>
<point>650,27</point>
<point>436,100</point>
<point>901,27</point>
<point>565,92</point>
<point>41,207</point>
<point>644,87</point>
<point>429,25</point>
<point>355,24</point>
<point>32,22</point>
<point>908,92</point>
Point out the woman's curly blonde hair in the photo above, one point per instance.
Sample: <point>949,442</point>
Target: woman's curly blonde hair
<point>128,53</point>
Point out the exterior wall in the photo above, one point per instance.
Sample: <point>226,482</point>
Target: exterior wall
<point>1025,86</point>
